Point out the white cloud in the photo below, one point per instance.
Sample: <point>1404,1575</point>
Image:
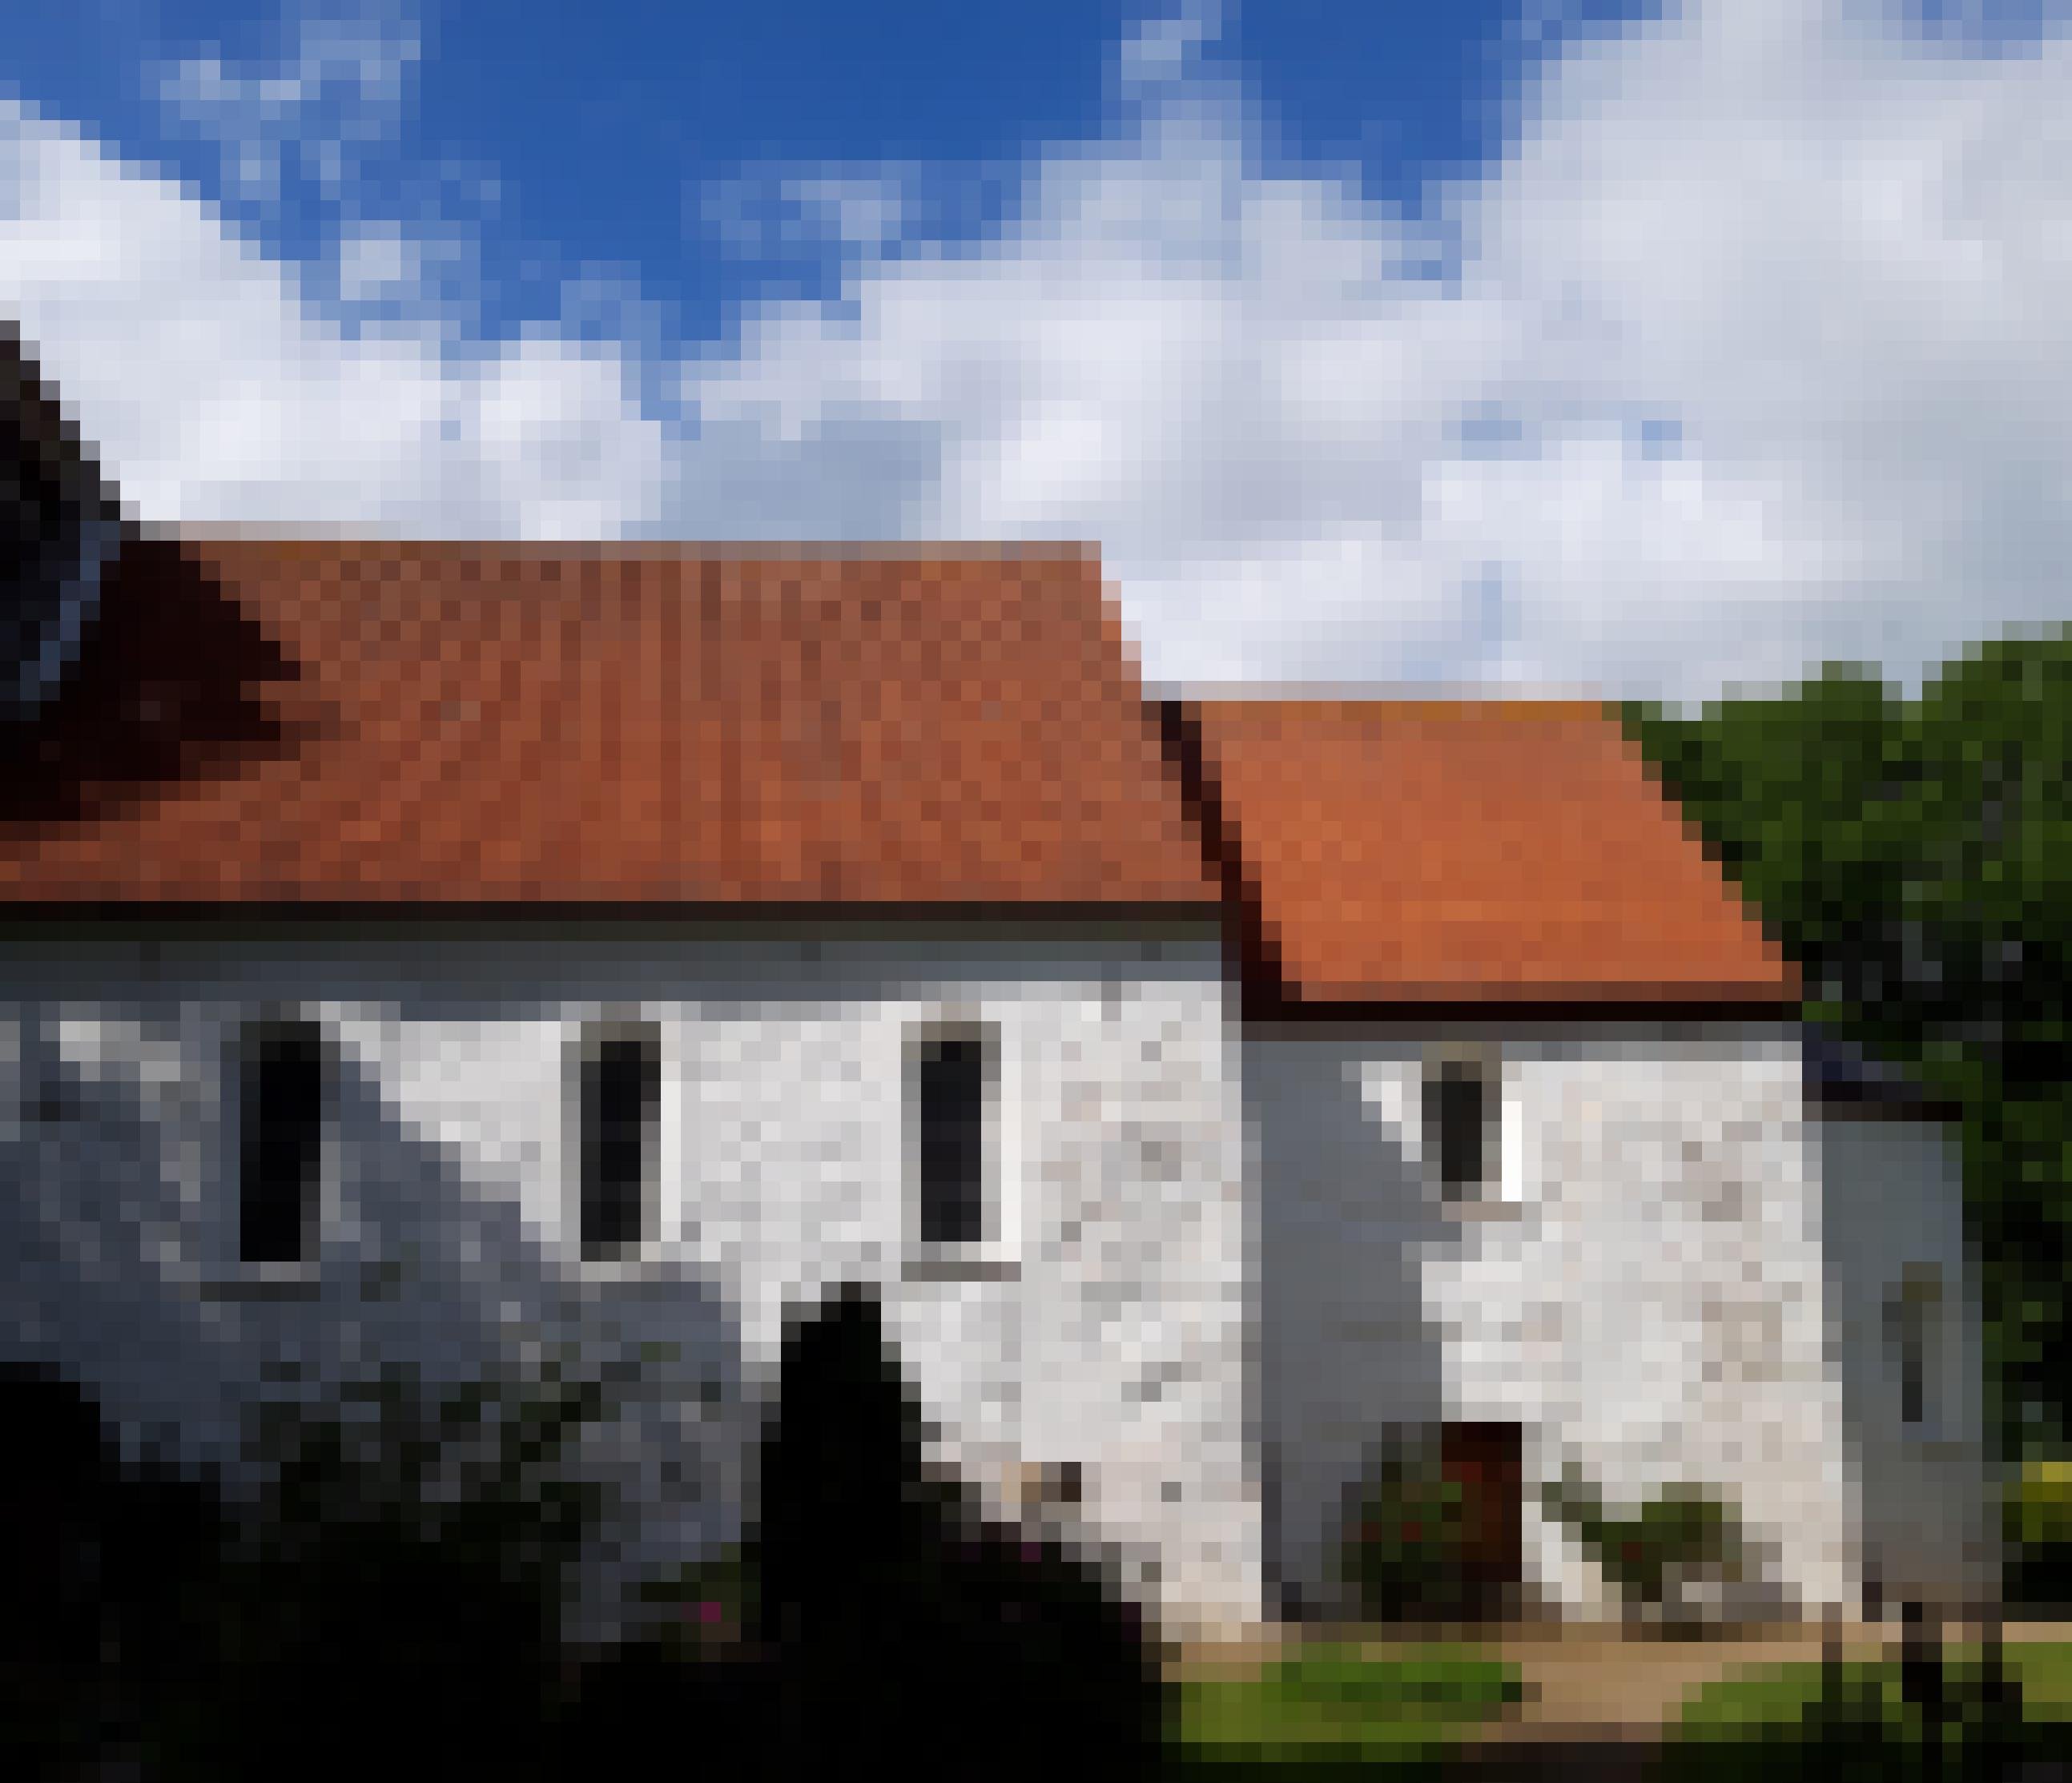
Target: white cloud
<point>1753,355</point>
<point>219,394</point>
<point>1752,360</point>
<point>768,213</point>
<point>343,91</point>
<point>1164,48</point>
<point>378,261</point>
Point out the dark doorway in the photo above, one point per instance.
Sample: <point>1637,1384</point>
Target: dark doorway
<point>1486,1460</point>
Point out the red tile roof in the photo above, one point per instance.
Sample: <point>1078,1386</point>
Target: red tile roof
<point>1465,851</point>
<point>316,722</point>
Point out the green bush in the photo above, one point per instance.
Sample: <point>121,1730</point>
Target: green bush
<point>2037,1507</point>
<point>1407,1548</point>
<point>1684,1530</point>
<point>2036,1521</point>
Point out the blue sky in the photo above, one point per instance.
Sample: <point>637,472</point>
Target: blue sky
<point>1650,348</point>
<point>607,146</point>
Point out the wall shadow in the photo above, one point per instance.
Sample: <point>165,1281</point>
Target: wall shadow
<point>1897,1253</point>
<point>114,1272</point>
<point>1350,1359</point>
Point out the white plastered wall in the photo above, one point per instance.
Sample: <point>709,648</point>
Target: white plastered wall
<point>1644,1296</point>
<point>1108,1327</point>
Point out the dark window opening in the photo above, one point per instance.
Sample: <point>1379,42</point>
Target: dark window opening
<point>622,1090</point>
<point>1456,1127</point>
<point>281,1108</point>
<point>1911,1312</point>
<point>951,1073</point>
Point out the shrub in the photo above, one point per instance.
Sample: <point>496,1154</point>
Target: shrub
<point>2036,1521</point>
<point>645,1705</point>
<point>904,1627</point>
<point>705,1604</point>
<point>1683,1531</point>
<point>394,1595</point>
<point>1407,1549</point>
<point>393,1601</point>
<point>2038,1505</point>
<point>106,1560</point>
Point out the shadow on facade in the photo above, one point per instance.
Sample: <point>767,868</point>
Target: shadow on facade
<point>120,1275</point>
<point>1352,1360</point>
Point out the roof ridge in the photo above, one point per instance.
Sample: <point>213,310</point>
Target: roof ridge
<point>1476,705</point>
<point>227,536</point>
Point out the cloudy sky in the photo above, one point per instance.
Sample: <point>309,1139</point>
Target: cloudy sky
<point>1655,349</point>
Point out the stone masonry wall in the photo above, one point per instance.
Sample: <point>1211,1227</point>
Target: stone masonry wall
<point>1105,1327</point>
<point>1642,1292</point>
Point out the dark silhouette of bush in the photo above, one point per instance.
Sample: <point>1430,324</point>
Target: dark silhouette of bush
<point>2036,1527</point>
<point>902,1626</point>
<point>375,1652</point>
<point>106,1558</point>
<point>390,1602</point>
<point>394,1599</point>
<point>646,1706</point>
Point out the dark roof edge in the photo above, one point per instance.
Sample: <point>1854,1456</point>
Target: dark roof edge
<point>564,909</point>
<point>1846,1078</point>
<point>1859,1105</point>
<point>1609,1006</point>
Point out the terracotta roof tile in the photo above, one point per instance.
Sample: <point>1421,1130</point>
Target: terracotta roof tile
<point>317,721</point>
<point>1425,852</point>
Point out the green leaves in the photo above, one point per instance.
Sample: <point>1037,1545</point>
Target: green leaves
<point>1684,1528</point>
<point>1404,1550</point>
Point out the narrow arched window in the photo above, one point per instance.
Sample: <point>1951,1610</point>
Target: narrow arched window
<point>618,1102</point>
<point>283,1094</point>
<point>951,1092</point>
<point>1460,1115</point>
<point>1912,1316</point>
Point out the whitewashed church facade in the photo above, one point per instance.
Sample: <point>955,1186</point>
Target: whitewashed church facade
<point>437,954</point>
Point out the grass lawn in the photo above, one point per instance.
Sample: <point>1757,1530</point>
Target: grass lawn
<point>1769,1714</point>
<point>1773,1695</point>
<point>1333,1706</point>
